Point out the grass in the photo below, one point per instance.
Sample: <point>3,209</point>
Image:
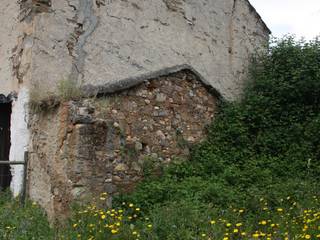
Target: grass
<point>41,99</point>
<point>22,222</point>
<point>68,90</point>
<point>288,218</point>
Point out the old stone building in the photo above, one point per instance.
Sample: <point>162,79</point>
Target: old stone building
<point>145,77</point>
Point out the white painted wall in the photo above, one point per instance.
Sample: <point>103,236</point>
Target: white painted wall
<point>19,138</point>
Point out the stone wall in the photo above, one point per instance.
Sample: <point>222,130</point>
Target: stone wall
<point>104,145</point>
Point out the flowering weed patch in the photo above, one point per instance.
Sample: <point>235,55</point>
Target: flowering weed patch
<point>287,220</point>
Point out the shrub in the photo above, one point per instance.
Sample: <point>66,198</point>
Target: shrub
<point>267,144</point>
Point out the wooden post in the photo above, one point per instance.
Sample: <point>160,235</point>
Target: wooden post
<point>25,173</point>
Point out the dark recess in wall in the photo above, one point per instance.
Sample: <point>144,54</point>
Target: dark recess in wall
<point>5,174</point>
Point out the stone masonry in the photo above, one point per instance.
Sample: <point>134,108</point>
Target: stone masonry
<point>83,148</point>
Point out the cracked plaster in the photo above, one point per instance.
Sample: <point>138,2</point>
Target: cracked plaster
<point>121,40</point>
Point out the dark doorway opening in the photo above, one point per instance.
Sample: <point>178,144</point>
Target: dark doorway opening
<point>5,143</point>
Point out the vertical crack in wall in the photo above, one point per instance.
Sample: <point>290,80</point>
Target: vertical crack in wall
<point>231,35</point>
<point>20,55</point>
<point>17,53</point>
<point>86,23</point>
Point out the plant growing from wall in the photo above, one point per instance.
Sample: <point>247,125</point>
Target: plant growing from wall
<point>69,90</point>
<point>42,100</point>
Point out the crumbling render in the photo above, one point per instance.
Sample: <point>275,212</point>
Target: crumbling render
<point>17,54</point>
<point>100,3</point>
<point>30,8</point>
<point>174,5</point>
<point>84,27</point>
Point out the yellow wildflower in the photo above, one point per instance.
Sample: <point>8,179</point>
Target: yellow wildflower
<point>255,235</point>
<point>263,222</point>
<point>114,231</point>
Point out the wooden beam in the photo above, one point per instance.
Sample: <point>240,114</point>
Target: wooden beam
<point>6,162</point>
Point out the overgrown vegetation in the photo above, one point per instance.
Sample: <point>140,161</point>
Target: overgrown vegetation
<point>19,222</point>
<point>266,146</point>
<point>254,177</point>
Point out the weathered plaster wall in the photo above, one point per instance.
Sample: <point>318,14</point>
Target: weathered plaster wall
<point>105,42</point>
<point>9,32</point>
<point>16,43</point>
<point>84,148</point>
